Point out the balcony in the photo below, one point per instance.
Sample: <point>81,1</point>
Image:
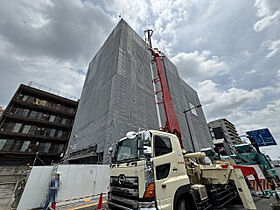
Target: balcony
<point>4,134</point>
<point>43,108</point>
<point>37,121</point>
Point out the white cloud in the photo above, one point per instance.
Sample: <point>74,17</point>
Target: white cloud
<point>198,66</point>
<point>253,71</point>
<point>134,12</point>
<point>162,16</point>
<point>272,46</point>
<point>246,53</point>
<point>268,11</point>
<point>224,103</point>
<point>47,42</point>
<point>278,74</point>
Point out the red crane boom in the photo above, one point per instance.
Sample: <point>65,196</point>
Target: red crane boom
<point>172,124</point>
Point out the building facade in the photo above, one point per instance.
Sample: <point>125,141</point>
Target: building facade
<point>35,125</point>
<point>118,97</point>
<point>224,135</point>
<point>1,111</point>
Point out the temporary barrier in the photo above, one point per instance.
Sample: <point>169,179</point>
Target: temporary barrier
<point>76,182</point>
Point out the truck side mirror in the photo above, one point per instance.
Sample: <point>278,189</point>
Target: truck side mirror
<point>147,150</point>
<point>110,151</point>
<point>146,136</point>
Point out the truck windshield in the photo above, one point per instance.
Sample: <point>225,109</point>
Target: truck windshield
<point>129,149</point>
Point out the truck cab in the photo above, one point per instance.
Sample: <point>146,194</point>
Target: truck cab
<point>144,163</point>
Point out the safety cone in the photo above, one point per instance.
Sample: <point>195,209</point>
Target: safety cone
<point>99,207</point>
<point>53,205</point>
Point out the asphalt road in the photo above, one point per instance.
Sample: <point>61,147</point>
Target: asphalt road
<point>261,204</point>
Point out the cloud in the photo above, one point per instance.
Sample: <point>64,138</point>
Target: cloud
<point>253,71</point>
<point>246,53</point>
<point>278,74</point>
<point>59,29</point>
<point>268,11</point>
<point>49,42</point>
<point>222,103</point>
<point>196,66</point>
<point>163,17</point>
<point>272,46</point>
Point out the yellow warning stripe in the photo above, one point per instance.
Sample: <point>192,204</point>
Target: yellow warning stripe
<point>88,205</point>
<point>80,198</point>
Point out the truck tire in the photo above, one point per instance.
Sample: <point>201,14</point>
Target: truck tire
<point>185,202</point>
<point>181,204</point>
<point>184,199</point>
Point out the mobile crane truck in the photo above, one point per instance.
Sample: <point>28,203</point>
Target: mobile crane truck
<point>150,169</point>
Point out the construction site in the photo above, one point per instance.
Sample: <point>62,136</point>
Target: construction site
<point>137,138</point>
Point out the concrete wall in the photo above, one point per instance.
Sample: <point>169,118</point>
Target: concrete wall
<point>117,96</point>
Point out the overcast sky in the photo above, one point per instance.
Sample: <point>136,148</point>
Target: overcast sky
<point>227,50</point>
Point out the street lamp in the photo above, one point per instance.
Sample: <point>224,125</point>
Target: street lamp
<point>185,112</point>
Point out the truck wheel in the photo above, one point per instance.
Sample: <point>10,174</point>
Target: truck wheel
<point>181,205</point>
<point>185,203</point>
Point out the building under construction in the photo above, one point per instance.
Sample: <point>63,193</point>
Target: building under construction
<point>118,97</point>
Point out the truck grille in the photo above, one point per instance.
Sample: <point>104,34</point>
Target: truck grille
<point>124,192</point>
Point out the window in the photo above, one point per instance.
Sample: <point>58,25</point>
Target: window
<point>18,111</point>
<point>59,134</point>
<point>60,148</point>
<point>33,114</point>
<point>47,132</point>
<point>162,145</point>
<point>41,146</point>
<point>24,98</point>
<point>63,121</point>
<point>2,143</point>
<point>19,96</point>
<point>8,145</point>
<point>26,129</point>
<point>44,147</point>
<point>52,118</point>
<point>64,134</point>
<point>24,113</point>
<point>39,115</point>
<point>58,119</point>
<point>52,132</point>
<point>162,171</point>
<point>25,146</point>
<point>16,128</point>
<point>32,130</point>
<point>47,147</point>
<point>57,148</point>
<point>7,126</point>
<point>16,146</point>
<point>30,99</point>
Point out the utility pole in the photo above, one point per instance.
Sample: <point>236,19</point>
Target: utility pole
<point>186,117</point>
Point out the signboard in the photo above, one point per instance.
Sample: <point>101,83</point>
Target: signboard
<point>262,136</point>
